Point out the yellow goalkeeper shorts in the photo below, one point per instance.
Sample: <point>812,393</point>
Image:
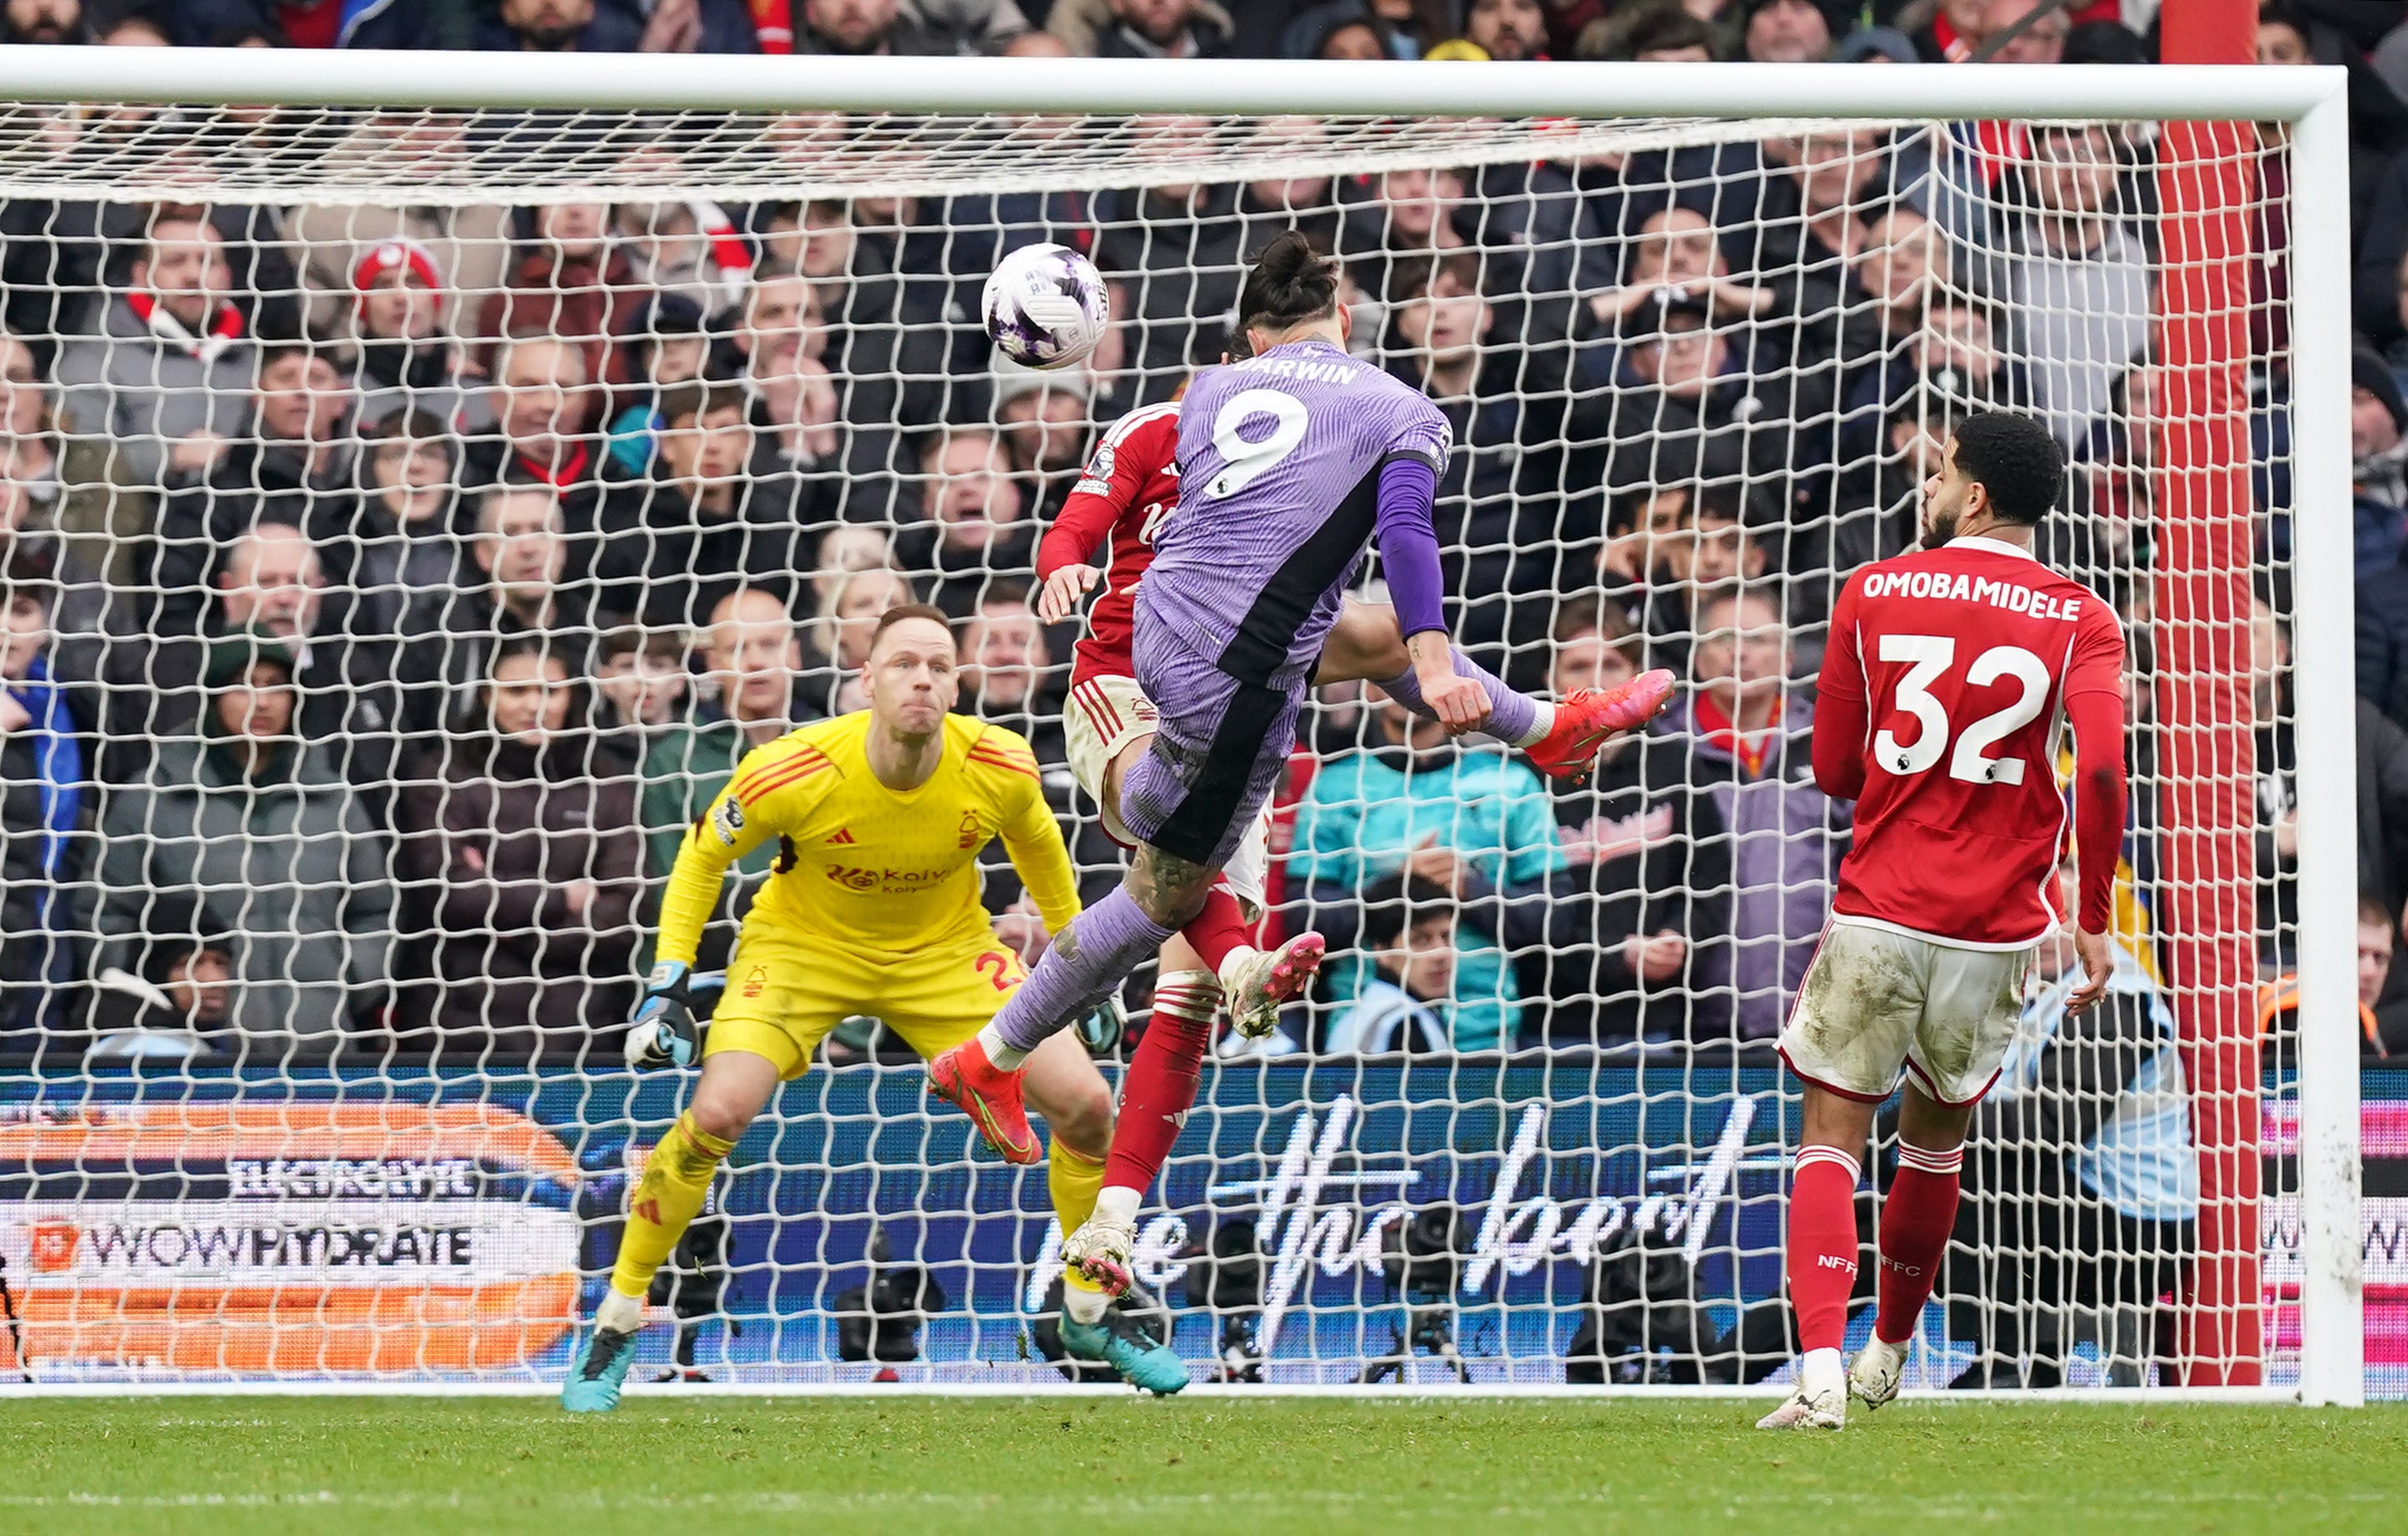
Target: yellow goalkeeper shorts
<point>787,987</point>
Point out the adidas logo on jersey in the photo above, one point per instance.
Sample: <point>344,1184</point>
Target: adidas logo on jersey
<point>843,835</point>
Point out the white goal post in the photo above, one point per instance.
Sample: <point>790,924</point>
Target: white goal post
<point>947,125</point>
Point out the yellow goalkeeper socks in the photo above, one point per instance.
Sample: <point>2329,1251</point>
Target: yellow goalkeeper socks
<point>675,1182</point>
<point>1073,1179</point>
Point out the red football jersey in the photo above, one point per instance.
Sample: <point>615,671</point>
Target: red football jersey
<point>1950,675</point>
<point>1129,488</point>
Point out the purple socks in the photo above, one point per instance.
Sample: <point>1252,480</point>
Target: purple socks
<point>1513,717</point>
<point>1091,957</point>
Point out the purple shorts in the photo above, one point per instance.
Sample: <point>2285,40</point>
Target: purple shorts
<point>1219,750</point>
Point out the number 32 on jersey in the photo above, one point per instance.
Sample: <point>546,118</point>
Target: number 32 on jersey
<point>1927,658</point>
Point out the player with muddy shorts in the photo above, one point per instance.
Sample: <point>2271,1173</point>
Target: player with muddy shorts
<point>1951,676</point>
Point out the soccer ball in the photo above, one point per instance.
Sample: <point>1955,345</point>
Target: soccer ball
<point>1045,306</point>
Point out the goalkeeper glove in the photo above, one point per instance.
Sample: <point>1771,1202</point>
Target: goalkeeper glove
<point>660,1032</point>
<point>1101,1026</point>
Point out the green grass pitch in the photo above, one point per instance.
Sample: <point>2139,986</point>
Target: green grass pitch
<point>1001,1465</point>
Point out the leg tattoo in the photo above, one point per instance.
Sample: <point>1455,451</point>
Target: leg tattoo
<point>1088,960</point>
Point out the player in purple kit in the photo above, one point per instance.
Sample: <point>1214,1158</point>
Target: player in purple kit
<point>1290,462</point>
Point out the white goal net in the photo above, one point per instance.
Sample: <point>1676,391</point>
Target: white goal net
<point>410,515</point>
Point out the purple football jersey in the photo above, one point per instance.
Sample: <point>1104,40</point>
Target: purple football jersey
<point>1279,477</point>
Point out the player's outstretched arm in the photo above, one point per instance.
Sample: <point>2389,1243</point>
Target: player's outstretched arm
<point>1033,839</point>
<point>1063,574</point>
<point>1085,520</point>
<point>1106,488</point>
<point>661,1031</point>
<point>1407,537</point>
<point>717,839</point>
<point>1063,591</point>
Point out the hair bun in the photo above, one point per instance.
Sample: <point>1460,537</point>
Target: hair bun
<point>1292,281</point>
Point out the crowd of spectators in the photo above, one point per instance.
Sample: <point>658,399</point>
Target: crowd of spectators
<point>387,586</point>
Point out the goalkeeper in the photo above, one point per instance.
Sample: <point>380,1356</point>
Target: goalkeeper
<point>872,907</point>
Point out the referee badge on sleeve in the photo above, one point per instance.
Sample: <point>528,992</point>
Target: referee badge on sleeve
<point>728,820</point>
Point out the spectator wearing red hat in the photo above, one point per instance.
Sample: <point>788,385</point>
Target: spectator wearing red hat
<point>404,258</point>
<point>471,243</point>
<point>408,359</point>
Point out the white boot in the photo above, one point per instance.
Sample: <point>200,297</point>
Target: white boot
<point>1873,1379</point>
<point>1821,1400</point>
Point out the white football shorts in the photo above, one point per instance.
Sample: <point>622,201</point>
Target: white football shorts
<point>1876,1001</point>
<point>1102,716</point>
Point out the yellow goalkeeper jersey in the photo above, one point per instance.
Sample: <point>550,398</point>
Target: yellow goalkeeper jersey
<point>861,865</point>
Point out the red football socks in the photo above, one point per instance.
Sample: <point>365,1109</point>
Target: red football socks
<point>1915,1220</point>
<point>1220,928</point>
<point>1822,1249</point>
<point>1161,1079</point>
